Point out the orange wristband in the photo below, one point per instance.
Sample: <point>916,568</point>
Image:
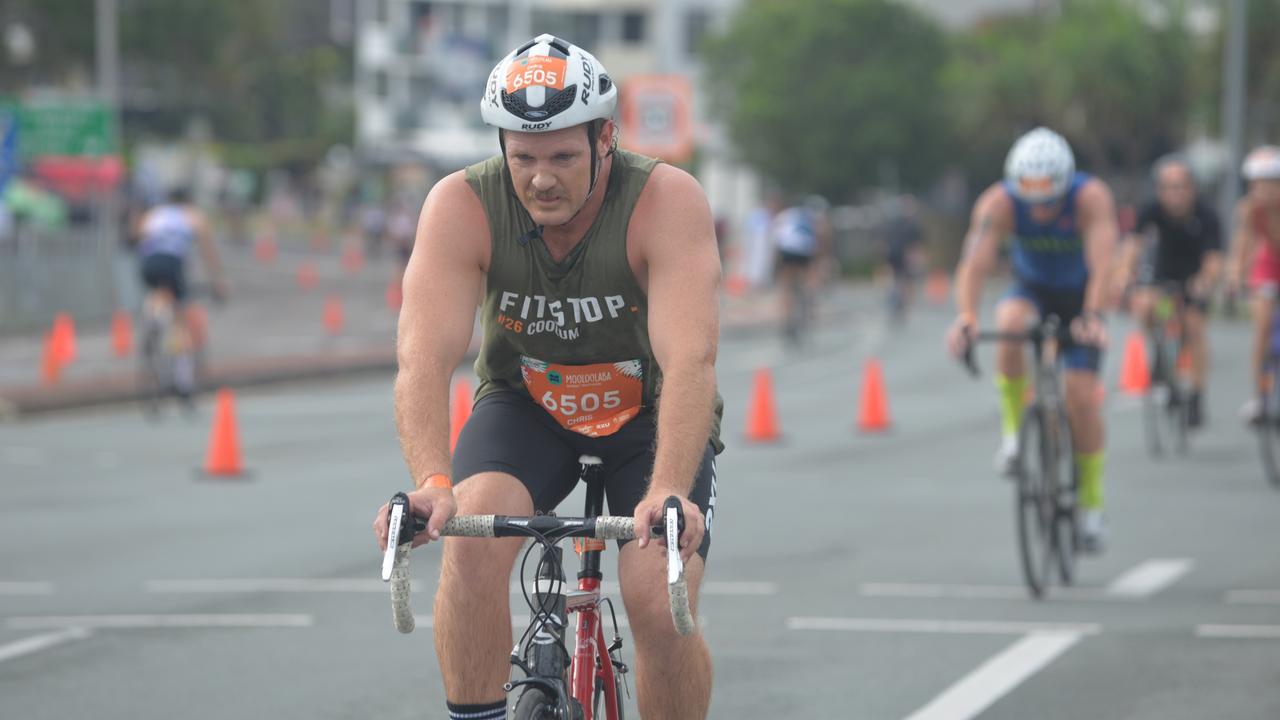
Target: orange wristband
<point>438,480</point>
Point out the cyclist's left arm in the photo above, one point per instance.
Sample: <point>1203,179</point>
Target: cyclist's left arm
<point>1212,261</point>
<point>672,243</point>
<point>1100,230</point>
<point>209,252</point>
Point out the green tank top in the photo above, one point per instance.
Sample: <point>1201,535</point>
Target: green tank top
<point>573,334</point>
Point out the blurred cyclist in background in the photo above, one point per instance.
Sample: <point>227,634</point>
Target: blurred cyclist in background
<point>165,236</point>
<point>1177,240</point>
<point>1064,230</point>
<point>801,234</point>
<point>903,238</point>
<point>1256,249</point>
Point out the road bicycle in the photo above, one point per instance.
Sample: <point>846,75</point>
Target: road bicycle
<point>170,362</point>
<point>1268,425</point>
<point>1045,477</point>
<point>556,684</point>
<point>1167,403</point>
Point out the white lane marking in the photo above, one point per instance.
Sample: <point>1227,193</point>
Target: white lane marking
<point>1254,597</point>
<point>745,588</point>
<point>1257,632</point>
<point>1150,577</point>
<point>956,627</point>
<point>975,592</point>
<point>993,679</point>
<point>36,643</point>
<point>23,455</point>
<point>230,620</point>
<point>26,588</point>
<point>274,585</point>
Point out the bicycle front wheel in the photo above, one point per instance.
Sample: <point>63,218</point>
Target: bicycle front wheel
<point>535,704</point>
<point>1269,425</point>
<point>1064,485</point>
<point>1035,501</point>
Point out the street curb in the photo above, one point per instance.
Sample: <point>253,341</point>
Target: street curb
<point>23,402</point>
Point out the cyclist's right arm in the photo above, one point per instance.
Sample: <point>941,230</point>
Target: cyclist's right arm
<point>991,222</point>
<point>442,285</point>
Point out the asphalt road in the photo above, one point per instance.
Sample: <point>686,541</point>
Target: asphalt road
<point>851,576</point>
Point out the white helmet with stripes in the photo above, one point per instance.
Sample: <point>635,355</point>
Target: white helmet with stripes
<point>1263,163</point>
<point>1040,166</point>
<point>547,84</point>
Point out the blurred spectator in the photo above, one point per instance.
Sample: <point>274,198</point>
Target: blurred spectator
<point>757,242</point>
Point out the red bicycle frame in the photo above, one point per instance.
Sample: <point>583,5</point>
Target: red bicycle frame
<point>591,661</point>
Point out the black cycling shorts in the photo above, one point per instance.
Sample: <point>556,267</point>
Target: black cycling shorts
<point>509,433</point>
<point>165,271</point>
<point>791,259</point>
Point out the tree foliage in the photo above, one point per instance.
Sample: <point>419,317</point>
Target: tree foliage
<point>822,96</point>
<point>1116,84</point>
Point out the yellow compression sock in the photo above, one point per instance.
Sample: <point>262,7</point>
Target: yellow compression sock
<point>1089,466</point>
<point>1012,395</point>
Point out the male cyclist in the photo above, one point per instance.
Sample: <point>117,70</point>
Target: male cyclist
<point>1063,229</point>
<point>801,234</point>
<point>165,236</point>
<point>1177,240</point>
<point>597,275</point>
<point>1257,246</point>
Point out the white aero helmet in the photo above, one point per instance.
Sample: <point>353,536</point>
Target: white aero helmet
<point>1040,166</point>
<point>547,84</point>
<point>1263,163</point>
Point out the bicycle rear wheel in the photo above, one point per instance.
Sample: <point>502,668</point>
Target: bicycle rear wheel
<point>1035,503</point>
<point>153,369</point>
<point>1269,424</point>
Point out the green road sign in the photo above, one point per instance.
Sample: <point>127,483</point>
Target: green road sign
<point>68,127</point>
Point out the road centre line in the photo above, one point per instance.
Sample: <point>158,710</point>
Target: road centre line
<point>26,588</point>
<point>992,680</point>
<point>230,620</point>
<point>36,643</point>
<point>1253,632</point>
<point>1149,577</point>
<point>1253,597</point>
<point>274,585</point>
<point>949,627</point>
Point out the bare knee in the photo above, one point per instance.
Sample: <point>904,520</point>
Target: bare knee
<point>484,562</point>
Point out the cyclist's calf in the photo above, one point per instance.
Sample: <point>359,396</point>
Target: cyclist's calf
<point>1084,409</point>
<point>673,672</point>
<point>473,607</point>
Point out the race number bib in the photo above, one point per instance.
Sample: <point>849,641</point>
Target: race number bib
<point>594,400</point>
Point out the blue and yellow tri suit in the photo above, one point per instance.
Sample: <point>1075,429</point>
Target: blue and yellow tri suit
<point>1049,267</point>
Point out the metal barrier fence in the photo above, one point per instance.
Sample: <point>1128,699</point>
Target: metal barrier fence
<point>74,270</point>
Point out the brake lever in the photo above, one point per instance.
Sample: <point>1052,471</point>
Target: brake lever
<point>396,526</point>
<point>673,512</point>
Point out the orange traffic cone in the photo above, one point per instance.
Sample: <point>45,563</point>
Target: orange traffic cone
<point>874,416</point>
<point>1135,375</point>
<point>308,276</point>
<point>394,295</point>
<point>50,368</point>
<point>352,258</point>
<point>459,410</point>
<point>121,334</point>
<point>333,316</point>
<point>63,336</point>
<point>265,249</point>
<point>762,418</point>
<point>937,287</point>
<point>736,285</point>
<point>223,457</point>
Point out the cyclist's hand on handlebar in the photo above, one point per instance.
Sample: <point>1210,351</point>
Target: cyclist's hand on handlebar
<point>960,335</point>
<point>435,504</point>
<point>649,512</point>
<point>1090,329</point>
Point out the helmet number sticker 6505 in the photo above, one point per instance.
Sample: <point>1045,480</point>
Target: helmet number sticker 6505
<point>538,70</point>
